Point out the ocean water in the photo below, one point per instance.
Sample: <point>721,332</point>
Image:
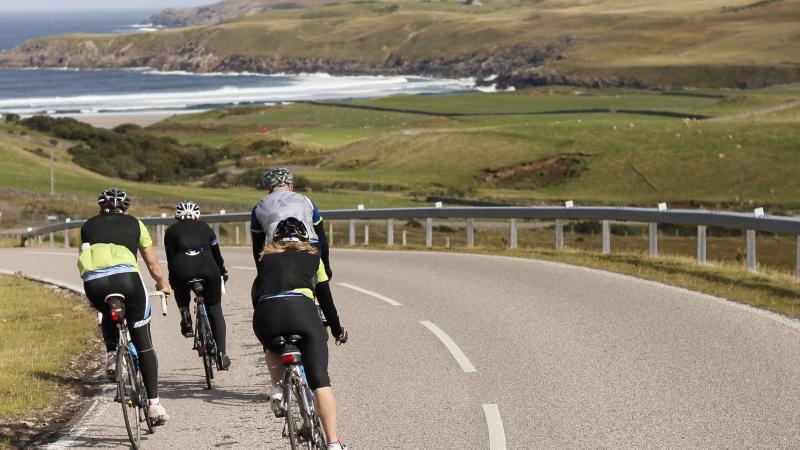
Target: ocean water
<point>68,91</point>
<point>19,26</point>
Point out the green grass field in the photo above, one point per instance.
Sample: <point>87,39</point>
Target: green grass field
<point>734,160</point>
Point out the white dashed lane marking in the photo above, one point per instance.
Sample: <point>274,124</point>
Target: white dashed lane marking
<point>459,356</point>
<point>497,435</point>
<point>371,294</point>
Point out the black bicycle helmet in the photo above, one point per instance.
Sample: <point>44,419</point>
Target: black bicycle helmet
<point>113,200</point>
<point>291,229</point>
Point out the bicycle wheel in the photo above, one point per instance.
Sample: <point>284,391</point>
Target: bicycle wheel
<point>207,361</point>
<point>294,419</point>
<point>126,394</point>
<point>211,346</point>
<point>312,427</point>
<point>144,411</point>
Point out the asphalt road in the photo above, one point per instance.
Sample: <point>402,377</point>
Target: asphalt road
<point>540,355</point>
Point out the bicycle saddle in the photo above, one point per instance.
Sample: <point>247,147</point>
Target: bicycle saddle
<point>280,341</point>
<point>196,286</point>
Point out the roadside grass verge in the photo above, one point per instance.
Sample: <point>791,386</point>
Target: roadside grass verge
<point>43,340</point>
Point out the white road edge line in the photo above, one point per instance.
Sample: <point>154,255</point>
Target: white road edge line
<point>459,356</point>
<point>243,268</point>
<point>97,408</point>
<point>497,435</point>
<point>372,294</point>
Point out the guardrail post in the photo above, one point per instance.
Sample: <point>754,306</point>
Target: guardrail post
<point>237,234</point>
<point>652,238</point>
<point>352,238</point>
<point>513,238</point>
<point>701,244</point>
<point>39,240</point>
<point>606,237</point>
<point>366,234</point>
<point>429,232</point>
<point>66,233</point>
<point>559,234</point>
<point>247,233</point>
<point>470,232</point>
<point>390,232</point>
<point>52,243</point>
<point>751,250</point>
<point>797,265</point>
<point>447,241</point>
<point>405,241</point>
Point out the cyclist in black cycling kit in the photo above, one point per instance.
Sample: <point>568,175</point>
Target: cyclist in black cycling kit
<point>108,265</point>
<point>193,252</point>
<point>283,301</point>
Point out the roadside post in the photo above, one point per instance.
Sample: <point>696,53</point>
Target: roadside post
<point>606,237</point>
<point>701,244</point>
<point>470,232</point>
<point>66,233</point>
<point>429,232</point>
<point>390,232</point>
<point>512,241</point>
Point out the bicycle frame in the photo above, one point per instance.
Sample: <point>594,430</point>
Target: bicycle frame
<point>203,338</point>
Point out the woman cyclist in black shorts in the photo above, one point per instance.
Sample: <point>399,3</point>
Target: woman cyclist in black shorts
<point>108,265</point>
<point>193,252</point>
<point>283,298</point>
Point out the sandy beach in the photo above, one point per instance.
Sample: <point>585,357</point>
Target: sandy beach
<point>111,120</point>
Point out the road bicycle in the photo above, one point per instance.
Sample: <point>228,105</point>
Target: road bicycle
<point>204,342</point>
<point>302,425</point>
<point>131,393</point>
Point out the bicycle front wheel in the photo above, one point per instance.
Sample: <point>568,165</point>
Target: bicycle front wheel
<point>126,393</point>
<point>144,410</point>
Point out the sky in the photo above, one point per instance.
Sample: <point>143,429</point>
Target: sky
<point>96,4</point>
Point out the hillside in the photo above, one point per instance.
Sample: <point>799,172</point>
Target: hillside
<point>225,10</point>
<point>638,43</point>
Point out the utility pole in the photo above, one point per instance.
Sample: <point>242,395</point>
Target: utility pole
<point>53,144</point>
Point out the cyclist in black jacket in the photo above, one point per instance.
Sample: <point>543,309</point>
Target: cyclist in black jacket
<point>289,267</point>
<point>193,252</point>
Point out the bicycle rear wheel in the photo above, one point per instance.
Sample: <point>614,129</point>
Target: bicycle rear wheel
<point>126,393</point>
<point>208,359</point>
<point>312,427</point>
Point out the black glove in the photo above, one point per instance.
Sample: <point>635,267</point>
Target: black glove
<point>342,338</point>
<point>225,276</point>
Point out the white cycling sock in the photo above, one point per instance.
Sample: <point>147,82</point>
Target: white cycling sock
<point>155,401</point>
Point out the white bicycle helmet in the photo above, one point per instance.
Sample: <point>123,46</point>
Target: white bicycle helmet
<point>279,176</point>
<point>187,210</point>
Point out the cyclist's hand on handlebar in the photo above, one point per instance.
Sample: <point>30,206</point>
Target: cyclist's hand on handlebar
<point>225,276</point>
<point>165,288</point>
<point>342,338</point>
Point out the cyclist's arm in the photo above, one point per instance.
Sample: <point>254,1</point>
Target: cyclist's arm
<point>154,267</point>
<point>217,254</point>
<point>319,228</point>
<point>325,299</point>
<point>151,260</point>
<point>258,236</point>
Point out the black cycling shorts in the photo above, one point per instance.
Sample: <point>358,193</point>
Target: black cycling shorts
<point>295,314</point>
<point>131,286</point>
<point>185,268</point>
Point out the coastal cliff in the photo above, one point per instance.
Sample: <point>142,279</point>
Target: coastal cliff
<point>516,47</point>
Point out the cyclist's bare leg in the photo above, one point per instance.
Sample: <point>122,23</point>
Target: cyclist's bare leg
<point>325,403</point>
<point>275,366</point>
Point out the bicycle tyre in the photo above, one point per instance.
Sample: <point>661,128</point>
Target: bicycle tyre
<point>124,392</point>
<point>311,434</point>
<point>201,332</point>
<point>211,346</point>
<point>145,402</point>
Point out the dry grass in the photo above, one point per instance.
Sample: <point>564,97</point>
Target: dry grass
<point>42,330</point>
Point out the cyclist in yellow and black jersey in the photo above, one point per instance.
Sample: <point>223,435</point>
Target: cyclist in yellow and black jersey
<point>108,265</point>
